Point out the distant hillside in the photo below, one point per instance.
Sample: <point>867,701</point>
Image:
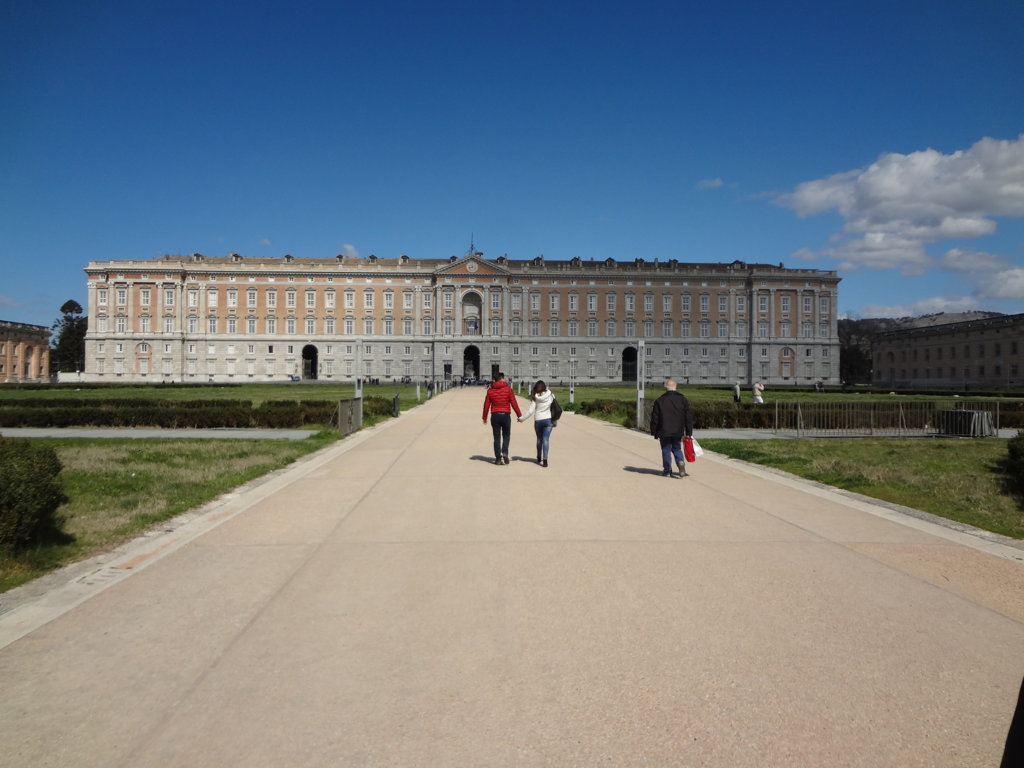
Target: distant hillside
<point>855,338</point>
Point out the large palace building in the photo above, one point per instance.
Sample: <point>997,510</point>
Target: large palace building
<point>234,319</point>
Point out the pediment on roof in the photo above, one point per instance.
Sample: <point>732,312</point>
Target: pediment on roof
<point>472,266</point>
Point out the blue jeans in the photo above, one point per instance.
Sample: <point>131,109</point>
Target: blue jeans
<point>543,429</point>
<point>671,447</point>
<point>501,428</point>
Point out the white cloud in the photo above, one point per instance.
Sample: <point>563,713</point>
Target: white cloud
<point>971,261</point>
<point>1004,284</point>
<point>930,306</point>
<point>899,203</point>
<point>710,184</point>
<point>264,241</point>
<point>350,251</point>
<point>7,301</point>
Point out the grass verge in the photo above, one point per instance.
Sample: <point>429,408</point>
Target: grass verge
<point>962,480</point>
<point>119,487</point>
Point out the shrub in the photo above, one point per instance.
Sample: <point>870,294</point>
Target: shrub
<point>1015,462</point>
<point>29,494</point>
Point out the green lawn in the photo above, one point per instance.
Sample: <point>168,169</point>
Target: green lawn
<point>119,487</point>
<point>960,480</point>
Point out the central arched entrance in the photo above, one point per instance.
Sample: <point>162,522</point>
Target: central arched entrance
<point>309,362</point>
<point>471,362</point>
<point>629,364</point>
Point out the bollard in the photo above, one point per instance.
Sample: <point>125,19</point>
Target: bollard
<point>395,407</point>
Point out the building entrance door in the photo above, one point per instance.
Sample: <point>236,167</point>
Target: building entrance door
<point>629,364</point>
<point>309,362</point>
<point>471,362</point>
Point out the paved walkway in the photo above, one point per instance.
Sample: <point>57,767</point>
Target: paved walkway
<point>399,600</point>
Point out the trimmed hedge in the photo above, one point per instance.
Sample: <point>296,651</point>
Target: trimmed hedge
<point>171,414</point>
<point>29,494</point>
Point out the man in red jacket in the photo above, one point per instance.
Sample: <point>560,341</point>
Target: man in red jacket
<point>500,401</point>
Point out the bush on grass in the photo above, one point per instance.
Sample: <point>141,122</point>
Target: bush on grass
<point>29,494</point>
<point>1015,462</point>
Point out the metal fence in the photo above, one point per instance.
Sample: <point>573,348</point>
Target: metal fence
<point>877,418</point>
<point>882,419</point>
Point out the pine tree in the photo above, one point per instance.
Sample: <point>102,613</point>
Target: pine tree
<point>67,345</point>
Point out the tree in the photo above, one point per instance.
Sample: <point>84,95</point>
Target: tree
<point>67,345</point>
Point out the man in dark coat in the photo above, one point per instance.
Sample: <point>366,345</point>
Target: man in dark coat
<point>671,420</point>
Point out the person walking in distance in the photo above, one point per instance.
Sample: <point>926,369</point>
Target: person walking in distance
<point>540,408</point>
<point>671,420</point>
<point>499,402</point>
<point>758,393</point>
<point>736,393</point>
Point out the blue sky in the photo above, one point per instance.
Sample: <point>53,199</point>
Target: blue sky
<point>881,139</point>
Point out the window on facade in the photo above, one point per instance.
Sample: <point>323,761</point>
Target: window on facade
<point>289,299</point>
<point>232,298</point>
<point>368,326</point>
<point>368,299</point>
<point>648,328</point>
<point>705,302</point>
<point>666,328</point>
<point>516,327</point>
<point>144,297</point>
<point>784,303</point>
<point>784,329</point>
<point>630,328</point>
<point>211,325</point>
<point>762,329</point>
<point>630,302</point>
<point>535,327</point>
<point>389,300</point>
<point>723,303</point>
<point>609,302</point>
<point>591,327</point>
<point>705,329</point>
<point>723,330</point>
<point>741,303</point>
<point>648,302</point>
<point>310,299</point>
<point>762,303</point>
<point>289,325</point>
<point>592,302</point>
<point>389,326</point>
<point>609,328</point>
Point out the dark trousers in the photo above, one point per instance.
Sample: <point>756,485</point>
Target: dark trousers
<point>671,447</point>
<point>501,427</point>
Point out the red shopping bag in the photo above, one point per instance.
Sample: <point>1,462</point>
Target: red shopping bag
<point>688,449</point>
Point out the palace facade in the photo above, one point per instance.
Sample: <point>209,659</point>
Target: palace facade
<point>24,352</point>
<point>986,353</point>
<point>234,319</point>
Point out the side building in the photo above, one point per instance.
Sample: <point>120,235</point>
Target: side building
<point>975,354</point>
<point>234,319</point>
<point>24,352</point>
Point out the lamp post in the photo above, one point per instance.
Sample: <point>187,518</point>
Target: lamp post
<point>639,383</point>
<point>572,380</point>
<point>359,369</point>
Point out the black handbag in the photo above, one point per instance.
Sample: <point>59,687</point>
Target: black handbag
<point>556,411</point>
